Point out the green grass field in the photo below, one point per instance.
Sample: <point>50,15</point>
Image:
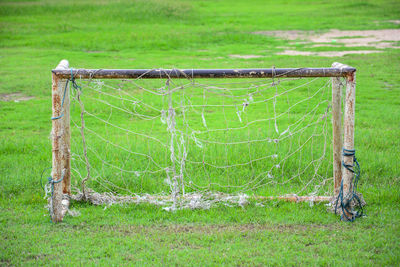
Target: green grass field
<point>36,35</point>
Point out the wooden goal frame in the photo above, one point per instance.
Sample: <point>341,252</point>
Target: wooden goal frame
<point>343,137</point>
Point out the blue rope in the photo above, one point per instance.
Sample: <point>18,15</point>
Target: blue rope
<point>41,177</point>
<point>76,86</point>
<point>345,205</point>
<point>51,181</point>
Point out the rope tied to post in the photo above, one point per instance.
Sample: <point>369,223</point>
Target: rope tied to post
<point>49,188</point>
<point>345,201</point>
<point>75,86</point>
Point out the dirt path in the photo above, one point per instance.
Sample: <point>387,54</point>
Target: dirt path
<point>16,97</point>
<point>373,39</point>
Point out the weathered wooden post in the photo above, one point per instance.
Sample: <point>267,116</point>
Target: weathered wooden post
<point>337,130</point>
<point>348,139</point>
<point>61,165</point>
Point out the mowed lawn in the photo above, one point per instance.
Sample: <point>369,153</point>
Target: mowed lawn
<point>36,35</point>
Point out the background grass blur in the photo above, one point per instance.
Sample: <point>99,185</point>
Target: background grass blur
<point>36,35</point>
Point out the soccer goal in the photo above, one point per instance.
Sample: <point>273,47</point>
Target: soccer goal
<point>194,138</point>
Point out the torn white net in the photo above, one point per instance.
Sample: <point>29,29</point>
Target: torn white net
<point>201,142</point>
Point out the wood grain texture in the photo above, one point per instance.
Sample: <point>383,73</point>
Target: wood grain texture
<point>202,73</point>
<point>337,129</point>
<point>348,138</point>
<point>61,165</point>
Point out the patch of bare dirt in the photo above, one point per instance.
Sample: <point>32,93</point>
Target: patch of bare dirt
<point>370,38</point>
<point>16,97</point>
<point>394,21</point>
<point>326,53</point>
<point>244,56</point>
<point>324,45</point>
<point>377,39</point>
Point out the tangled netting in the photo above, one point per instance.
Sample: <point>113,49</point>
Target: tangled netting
<point>204,200</point>
<point>185,143</point>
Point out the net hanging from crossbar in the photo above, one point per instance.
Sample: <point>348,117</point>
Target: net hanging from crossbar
<point>196,142</point>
